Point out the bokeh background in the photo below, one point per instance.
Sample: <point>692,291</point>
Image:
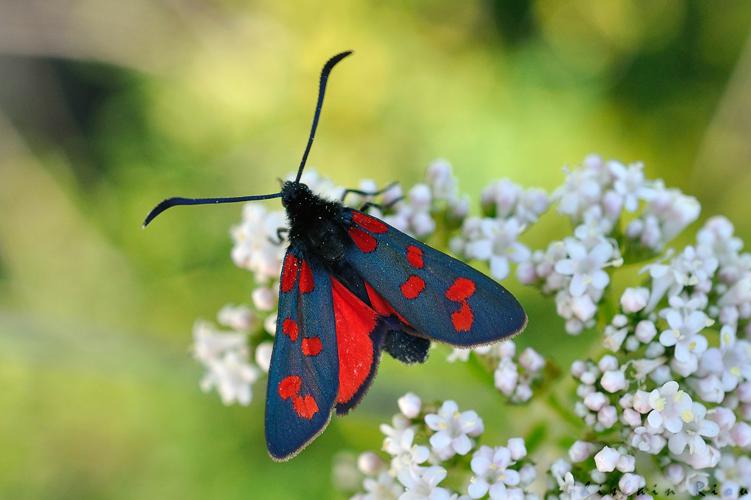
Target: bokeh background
<point>108,106</point>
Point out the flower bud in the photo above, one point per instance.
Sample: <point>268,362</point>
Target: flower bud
<point>645,331</point>
<point>634,299</point>
<point>369,463</point>
<point>264,298</point>
<point>517,448</point>
<point>630,483</point>
<point>595,401</point>
<point>420,196</point>
<point>608,362</point>
<point>613,381</point>
<point>531,360</point>
<point>269,324</point>
<point>606,459</point>
<point>410,405</point>
<point>263,355</point>
<point>580,451</point>
<point>741,434</point>
<point>631,417</point>
<point>607,416</point>
<point>626,463</point>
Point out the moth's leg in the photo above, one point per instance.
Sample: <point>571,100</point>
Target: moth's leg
<point>367,193</point>
<point>280,232</point>
<point>380,207</point>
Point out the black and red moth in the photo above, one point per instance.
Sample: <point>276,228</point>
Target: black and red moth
<point>352,286</point>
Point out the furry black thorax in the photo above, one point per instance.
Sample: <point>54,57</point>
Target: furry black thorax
<point>315,224</point>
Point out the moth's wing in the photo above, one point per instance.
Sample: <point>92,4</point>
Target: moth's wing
<point>366,325</point>
<point>304,373</point>
<point>441,297</point>
<point>359,333</point>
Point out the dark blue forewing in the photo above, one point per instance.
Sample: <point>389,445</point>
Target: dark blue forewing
<point>441,297</point>
<point>304,373</point>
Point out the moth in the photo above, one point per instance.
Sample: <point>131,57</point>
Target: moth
<point>352,286</point>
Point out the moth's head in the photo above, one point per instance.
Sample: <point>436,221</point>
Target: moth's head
<point>294,192</point>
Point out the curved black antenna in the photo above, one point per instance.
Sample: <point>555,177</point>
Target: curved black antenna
<point>321,91</point>
<point>173,202</point>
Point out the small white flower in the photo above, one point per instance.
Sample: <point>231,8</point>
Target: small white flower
<point>495,241</point>
<point>684,333</point>
<point>384,487</point>
<point>238,318</point>
<point>232,376</point>
<point>585,266</point>
<point>395,434</point>
<point>209,343</point>
<point>253,248</point>
<point>671,407</point>
<point>441,179</point>
<point>453,429</point>
<point>646,440</point>
<point>733,473</point>
<point>421,483</point>
<point>492,475</point>
<point>506,376</point>
<point>695,428</point>
<point>629,183</point>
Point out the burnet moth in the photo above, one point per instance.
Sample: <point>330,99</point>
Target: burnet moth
<point>352,286</point>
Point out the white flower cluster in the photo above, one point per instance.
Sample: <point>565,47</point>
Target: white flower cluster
<point>671,386</point>
<point>225,355</point>
<point>668,387</point>
<point>424,444</point>
<point>415,214</point>
<point>508,210</point>
<point>515,379</point>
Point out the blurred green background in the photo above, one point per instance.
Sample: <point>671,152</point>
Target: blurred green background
<point>106,107</point>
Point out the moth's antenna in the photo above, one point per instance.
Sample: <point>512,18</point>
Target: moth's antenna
<point>173,202</point>
<point>321,91</point>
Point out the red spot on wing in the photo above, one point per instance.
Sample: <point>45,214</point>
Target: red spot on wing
<point>306,278</point>
<point>461,289</point>
<point>311,346</point>
<point>364,241</point>
<point>380,305</point>
<point>355,321</point>
<point>463,318</point>
<point>290,329</point>
<point>289,386</point>
<point>305,406</point>
<point>414,256</point>
<point>413,287</point>
<point>289,273</point>
<point>370,223</point>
